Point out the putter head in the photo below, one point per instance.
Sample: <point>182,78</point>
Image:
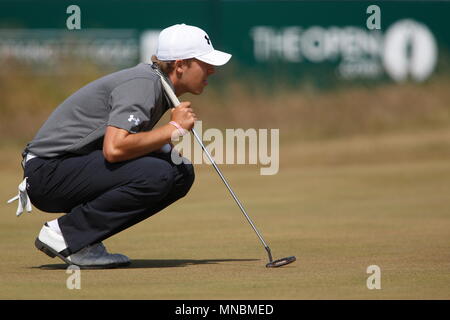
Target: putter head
<point>280,262</point>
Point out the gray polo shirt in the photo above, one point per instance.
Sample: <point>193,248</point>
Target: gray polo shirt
<point>132,99</point>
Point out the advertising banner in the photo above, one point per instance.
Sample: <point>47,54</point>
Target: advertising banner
<point>323,41</point>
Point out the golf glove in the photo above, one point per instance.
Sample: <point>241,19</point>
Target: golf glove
<point>22,197</point>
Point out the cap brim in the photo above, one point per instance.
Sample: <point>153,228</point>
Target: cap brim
<point>215,57</point>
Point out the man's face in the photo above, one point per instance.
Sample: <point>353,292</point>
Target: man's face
<point>194,76</point>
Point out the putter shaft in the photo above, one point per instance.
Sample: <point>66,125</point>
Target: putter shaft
<point>175,102</point>
<point>232,193</point>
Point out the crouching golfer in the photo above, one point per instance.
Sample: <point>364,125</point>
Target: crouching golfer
<point>98,159</point>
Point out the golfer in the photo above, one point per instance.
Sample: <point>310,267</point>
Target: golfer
<point>99,160</point>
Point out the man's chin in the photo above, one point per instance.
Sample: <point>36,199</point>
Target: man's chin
<point>197,91</point>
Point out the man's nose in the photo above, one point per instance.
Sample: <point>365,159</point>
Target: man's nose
<point>211,70</point>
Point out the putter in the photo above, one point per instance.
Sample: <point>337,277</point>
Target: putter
<point>272,264</point>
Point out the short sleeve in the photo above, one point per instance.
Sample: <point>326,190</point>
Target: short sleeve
<point>131,104</point>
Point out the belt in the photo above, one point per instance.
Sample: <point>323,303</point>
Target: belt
<point>27,157</point>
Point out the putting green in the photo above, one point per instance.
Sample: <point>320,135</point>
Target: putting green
<point>339,207</point>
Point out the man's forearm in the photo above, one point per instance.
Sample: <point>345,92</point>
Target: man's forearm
<point>119,145</point>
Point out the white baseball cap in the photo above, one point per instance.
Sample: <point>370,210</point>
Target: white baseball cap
<point>182,41</point>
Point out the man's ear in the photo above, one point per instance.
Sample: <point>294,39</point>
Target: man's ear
<point>179,67</point>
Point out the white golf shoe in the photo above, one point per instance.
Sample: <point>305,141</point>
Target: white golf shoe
<point>93,256</point>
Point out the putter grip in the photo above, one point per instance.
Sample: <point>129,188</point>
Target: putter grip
<point>173,98</point>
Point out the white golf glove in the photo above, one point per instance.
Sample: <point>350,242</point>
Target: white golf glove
<point>24,200</point>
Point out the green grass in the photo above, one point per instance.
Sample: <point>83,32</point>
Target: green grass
<point>338,206</point>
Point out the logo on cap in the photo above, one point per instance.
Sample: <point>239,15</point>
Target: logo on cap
<point>207,39</point>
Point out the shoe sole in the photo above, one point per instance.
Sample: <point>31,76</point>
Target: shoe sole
<point>52,253</point>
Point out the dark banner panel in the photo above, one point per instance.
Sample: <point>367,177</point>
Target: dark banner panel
<point>323,41</point>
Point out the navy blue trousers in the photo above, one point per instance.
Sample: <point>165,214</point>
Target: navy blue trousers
<point>100,198</point>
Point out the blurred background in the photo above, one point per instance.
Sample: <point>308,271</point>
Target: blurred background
<point>362,102</point>
<point>311,68</point>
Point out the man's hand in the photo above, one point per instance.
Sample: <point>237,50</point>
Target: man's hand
<point>184,115</point>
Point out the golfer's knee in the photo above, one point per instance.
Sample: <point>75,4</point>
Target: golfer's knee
<point>188,179</point>
<point>156,182</point>
<point>165,183</point>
